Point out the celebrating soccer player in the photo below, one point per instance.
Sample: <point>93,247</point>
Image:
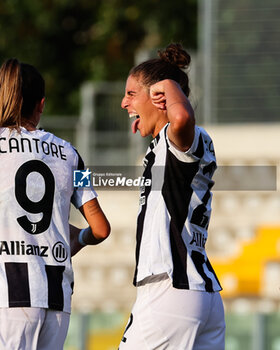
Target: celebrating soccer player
<point>36,188</point>
<point>178,304</point>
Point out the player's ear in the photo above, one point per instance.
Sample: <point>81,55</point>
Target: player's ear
<point>41,105</point>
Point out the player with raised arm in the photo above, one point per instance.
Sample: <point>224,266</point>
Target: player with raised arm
<point>36,189</point>
<point>178,304</point>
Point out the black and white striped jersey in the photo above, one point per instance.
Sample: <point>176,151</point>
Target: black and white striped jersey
<point>36,188</point>
<point>174,214</point>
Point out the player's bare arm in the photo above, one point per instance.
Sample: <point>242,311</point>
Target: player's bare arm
<point>168,96</point>
<point>98,230</point>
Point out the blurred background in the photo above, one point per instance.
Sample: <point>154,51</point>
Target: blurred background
<point>84,49</point>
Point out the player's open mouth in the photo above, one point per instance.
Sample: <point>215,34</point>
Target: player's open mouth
<point>134,125</point>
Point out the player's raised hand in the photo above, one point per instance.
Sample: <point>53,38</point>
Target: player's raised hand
<point>157,95</point>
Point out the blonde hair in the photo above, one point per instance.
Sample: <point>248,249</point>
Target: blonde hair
<point>21,88</point>
<point>10,94</point>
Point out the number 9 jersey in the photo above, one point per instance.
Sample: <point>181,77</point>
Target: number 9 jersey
<point>36,189</point>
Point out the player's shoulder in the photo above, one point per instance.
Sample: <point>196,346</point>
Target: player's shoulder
<point>204,144</point>
<point>45,134</point>
<point>199,130</point>
<point>60,142</point>
<point>51,137</point>
<point>202,136</point>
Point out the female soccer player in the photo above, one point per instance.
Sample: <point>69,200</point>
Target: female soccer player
<point>178,305</point>
<point>36,188</point>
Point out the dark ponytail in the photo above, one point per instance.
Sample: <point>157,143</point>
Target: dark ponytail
<point>169,65</point>
<point>33,89</point>
<point>175,55</point>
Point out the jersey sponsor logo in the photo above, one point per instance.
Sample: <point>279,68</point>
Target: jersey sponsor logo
<point>198,239</point>
<point>59,252</point>
<point>21,248</point>
<point>81,178</point>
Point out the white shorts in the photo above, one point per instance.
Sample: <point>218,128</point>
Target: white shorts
<point>175,319</point>
<point>28,328</point>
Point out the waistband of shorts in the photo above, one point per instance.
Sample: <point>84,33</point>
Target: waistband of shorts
<point>152,279</point>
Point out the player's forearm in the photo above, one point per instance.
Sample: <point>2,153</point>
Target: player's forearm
<point>179,110</point>
<point>173,93</point>
<point>79,238</point>
<point>98,223</point>
<point>87,237</point>
<point>180,115</point>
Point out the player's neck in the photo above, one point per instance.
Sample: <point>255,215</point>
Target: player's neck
<point>28,124</point>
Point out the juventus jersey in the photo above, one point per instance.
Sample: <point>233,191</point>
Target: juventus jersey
<point>174,214</point>
<point>36,188</point>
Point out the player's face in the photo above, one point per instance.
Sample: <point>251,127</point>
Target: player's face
<point>138,103</point>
